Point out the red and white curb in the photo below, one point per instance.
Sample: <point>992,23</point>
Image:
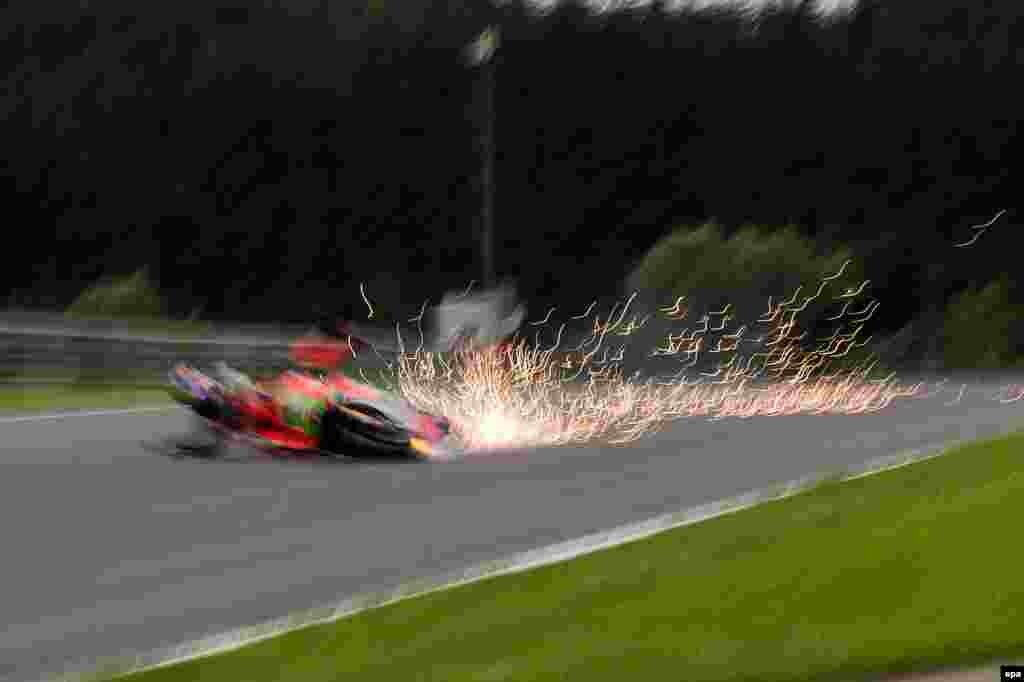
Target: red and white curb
<point>234,639</point>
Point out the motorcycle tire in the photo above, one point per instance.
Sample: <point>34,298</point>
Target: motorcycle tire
<point>339,437</point>
<point>209,409</point>
<point>372,424</point>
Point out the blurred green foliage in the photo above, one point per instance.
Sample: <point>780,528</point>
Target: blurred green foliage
<point>134,299</point>
<point>978,330</point>
<point>744,269</point>
<point>128,296</point>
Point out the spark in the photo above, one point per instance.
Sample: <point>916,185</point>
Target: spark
<point>362,291</point>
<point>545,320</point>
<point>838,274</point>
<point>423,309</point>
<point>872,305</point>
<point>674,309</point>
<point>531,396</point>
<point>558,339</point>
<point>790,301</point>
<point>843,312</point>
<point>1014,399</point>
<point>938,389</point>
<point>850,293</point>
<point>873,308</point>
<point>737,334</point>
<point>958,398</point>
<point>401,341</point>
<point>418,319</point>
<point>585,312</point>
<point>981,229</point>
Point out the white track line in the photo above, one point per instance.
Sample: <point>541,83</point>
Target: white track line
<point>84,413</point>
<point>541,556</point>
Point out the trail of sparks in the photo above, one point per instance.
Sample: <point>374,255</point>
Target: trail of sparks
<point>980,230</point>
<point>366,300</point>
<point>522,395</point>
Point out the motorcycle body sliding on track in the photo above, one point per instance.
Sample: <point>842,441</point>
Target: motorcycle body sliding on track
<point>331,415</point>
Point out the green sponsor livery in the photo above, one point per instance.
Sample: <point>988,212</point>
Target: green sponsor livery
<point>305,413</point>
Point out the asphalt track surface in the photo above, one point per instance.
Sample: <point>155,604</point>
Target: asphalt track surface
<point>109,548</point>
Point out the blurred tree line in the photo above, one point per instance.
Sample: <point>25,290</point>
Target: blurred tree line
<point>257,158</point>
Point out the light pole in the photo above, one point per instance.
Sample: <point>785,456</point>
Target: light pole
<point>481,53</point>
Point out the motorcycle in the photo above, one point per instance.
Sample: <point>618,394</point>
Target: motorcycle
<point>330,415</point>
<point>336,415</point>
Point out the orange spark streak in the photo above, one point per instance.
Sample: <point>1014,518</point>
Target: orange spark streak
<point>527,396</point>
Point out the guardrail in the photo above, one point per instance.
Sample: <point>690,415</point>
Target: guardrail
<point>41,347</point>
<point>48,348</point>
<point>74,357</point>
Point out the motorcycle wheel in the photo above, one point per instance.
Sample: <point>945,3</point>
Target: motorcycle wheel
<point>339,437</point>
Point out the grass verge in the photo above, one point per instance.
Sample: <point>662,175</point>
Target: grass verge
<point>16,398</point>
<point>905,571</point>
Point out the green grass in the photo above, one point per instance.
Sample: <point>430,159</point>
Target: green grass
<point>36,397</point>
<point>907,570</point>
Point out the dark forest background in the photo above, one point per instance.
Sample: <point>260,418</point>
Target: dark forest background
<point>258,158</point>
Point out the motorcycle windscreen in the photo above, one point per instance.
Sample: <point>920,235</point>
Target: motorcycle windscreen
<point>484,318</point>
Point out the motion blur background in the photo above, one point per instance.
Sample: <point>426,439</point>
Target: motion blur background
<point>234,161</point>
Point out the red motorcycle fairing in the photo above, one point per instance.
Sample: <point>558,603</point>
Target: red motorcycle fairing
<point>351,389</point>
<point>260,414</point>
<point>274,438</point>
<point>263,414</point>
